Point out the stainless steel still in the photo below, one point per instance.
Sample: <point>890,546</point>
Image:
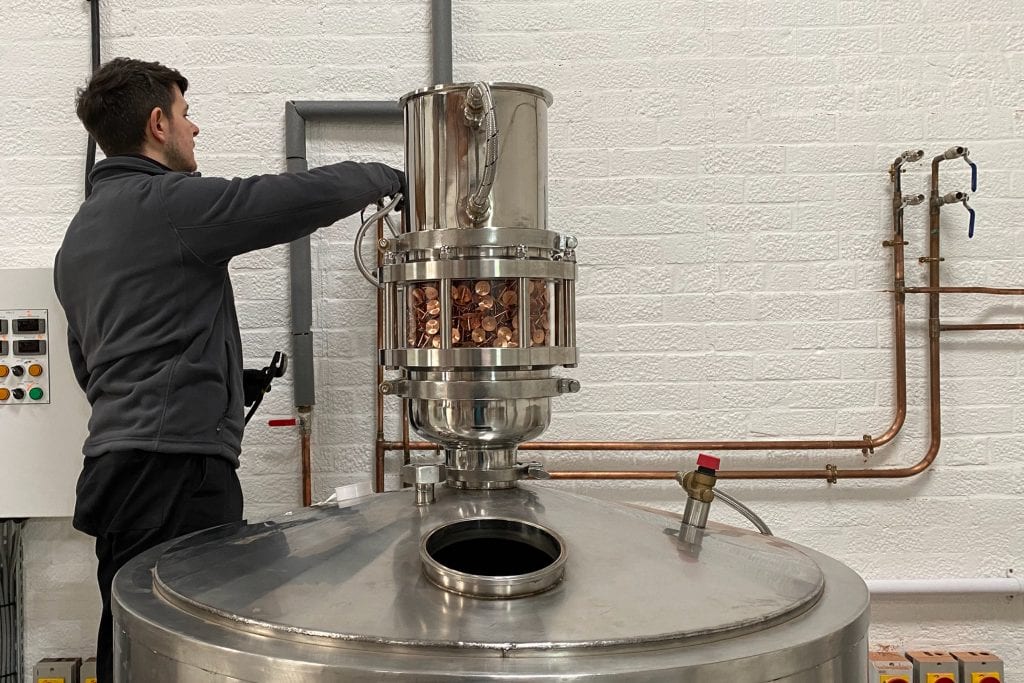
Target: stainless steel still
<point>529,583</point>
<point>479,296</point>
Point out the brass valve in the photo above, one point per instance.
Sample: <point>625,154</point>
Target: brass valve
<point>699,486</point>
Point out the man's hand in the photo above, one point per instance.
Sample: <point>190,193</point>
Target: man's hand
<point>404,184</point>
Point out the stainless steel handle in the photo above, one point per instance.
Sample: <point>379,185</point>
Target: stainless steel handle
<point>357,246</point>
<point>480,114</point>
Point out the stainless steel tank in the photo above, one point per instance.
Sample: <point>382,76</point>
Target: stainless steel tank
<point>526,584</point>
<point>476,575</point>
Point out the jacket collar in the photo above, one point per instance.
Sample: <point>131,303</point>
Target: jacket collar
<point>128,164</point>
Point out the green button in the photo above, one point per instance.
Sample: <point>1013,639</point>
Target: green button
<point>35,393</point>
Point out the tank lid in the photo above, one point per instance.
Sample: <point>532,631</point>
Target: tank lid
<point>355,573</point>
<point>443,88</point>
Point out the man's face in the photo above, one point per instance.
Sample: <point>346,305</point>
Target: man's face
<point>181,145</point>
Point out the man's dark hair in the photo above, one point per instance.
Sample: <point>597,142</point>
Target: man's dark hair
<point>116,104</point>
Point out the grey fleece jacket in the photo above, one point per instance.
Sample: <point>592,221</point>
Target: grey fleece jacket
<point>142,275</point>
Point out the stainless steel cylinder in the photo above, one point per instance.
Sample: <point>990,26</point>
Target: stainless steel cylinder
<point>445,156</point>
<point>480,293</point>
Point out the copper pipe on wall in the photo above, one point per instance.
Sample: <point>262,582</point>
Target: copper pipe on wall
<point>982,326</point>
<point>306,427</point>
<point>1006,291</point>
<point>829,473</point>
<point>866,444</point>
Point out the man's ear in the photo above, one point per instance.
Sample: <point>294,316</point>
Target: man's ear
<point>157,125</point>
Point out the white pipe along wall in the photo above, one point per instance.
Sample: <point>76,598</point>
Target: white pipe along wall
<point>1011,587</point>
<point>724,166</point>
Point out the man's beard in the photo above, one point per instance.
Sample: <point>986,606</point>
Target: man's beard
<point>177,160</point>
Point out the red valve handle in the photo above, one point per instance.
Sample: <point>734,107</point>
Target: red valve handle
<point>286,422</point>
<point>709,461</point>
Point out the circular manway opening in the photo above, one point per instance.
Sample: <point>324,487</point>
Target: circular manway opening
<point>493,557</point>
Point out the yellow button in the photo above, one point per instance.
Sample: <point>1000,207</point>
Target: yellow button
<point>4,371</point>
<point>4,394</point>
<point>35,369</point>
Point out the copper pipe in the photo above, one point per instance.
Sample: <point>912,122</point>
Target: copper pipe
<point>306,430</point>
<point>982,326</point>
<point>307,470</point>
<point>1006,291</point>
<point>379,451</point>
<point>866,444</point>
<point>830,473</point>
<point>660,445</point>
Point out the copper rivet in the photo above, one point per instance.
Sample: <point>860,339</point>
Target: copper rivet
<point>433,307</point>
<point>508,297</point>
<point>432,326</point>
<point>538,336</point>
<point>435,341</point>
<point>479,335</point>
<point>417,295</point>
<point>486,303</point>
<point>489,323</point>
<point>483,287</point>
<point>505,333</point>
<point>430,292</point>
<point>456,335</point>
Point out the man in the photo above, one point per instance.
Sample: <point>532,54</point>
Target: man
<point>142,275</point>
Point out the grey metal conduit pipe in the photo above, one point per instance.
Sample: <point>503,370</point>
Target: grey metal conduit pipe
<point>300,270</point>
<point>297,113</point>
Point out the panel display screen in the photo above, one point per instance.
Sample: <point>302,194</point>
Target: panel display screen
<point>29,325</point>
<point>29,347</point>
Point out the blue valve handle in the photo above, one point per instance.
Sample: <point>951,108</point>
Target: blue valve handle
<point>970,227</point>
<point>974,177</point>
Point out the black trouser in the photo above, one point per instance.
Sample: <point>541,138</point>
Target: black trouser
<point>133,500</point>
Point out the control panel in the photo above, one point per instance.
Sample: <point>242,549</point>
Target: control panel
<point>24,357</point>
<point>43,412</point>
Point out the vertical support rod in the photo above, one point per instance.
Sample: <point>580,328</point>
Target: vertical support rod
<point>570,313</point>
<point>390,321</point>
<point>524,313</point>
<point>560,319</point>
<point>406,457</point>
<point>379,452</point>
<point>445,297</point>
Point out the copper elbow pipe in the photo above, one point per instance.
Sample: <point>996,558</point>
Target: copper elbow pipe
<point>829,473</point>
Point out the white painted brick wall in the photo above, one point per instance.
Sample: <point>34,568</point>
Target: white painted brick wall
<point>721,162</point>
